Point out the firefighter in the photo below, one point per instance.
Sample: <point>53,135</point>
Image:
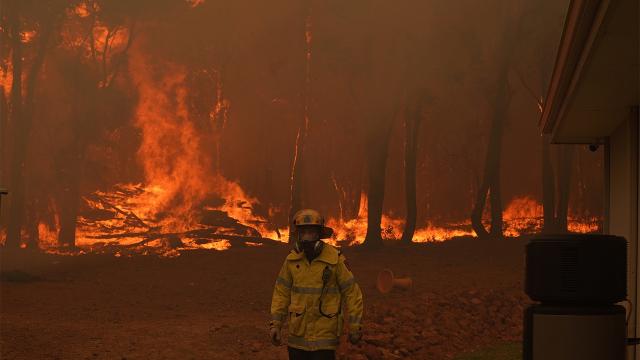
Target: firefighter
<point>313,291</point>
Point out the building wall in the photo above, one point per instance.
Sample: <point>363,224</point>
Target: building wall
<point>623,206</point>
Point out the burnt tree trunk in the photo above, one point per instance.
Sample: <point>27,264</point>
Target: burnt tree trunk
<point>4,114</point>
<point>71,203</point>
<point>491,176</point>
<point>16,197</point>
<point>564,178</point>
<point>354,195</point>
<point>71,169</point>
<point>413,119</point>
<point>4,150</point>
<point>548,189</point>
<point>22,117</point>
<point>296,176</point>
<point>378,145</point>
<point>297,168</point>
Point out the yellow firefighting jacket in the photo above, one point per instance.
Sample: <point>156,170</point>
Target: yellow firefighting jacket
<point>297,296</point>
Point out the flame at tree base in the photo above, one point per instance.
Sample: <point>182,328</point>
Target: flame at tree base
<point>119,223</point>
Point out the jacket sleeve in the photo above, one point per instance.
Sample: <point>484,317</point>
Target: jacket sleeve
<point>281,296</point>
<point>352,295</point>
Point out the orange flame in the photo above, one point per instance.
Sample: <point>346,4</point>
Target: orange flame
<point>82,10</point>
<point>194,3</point>
<point>27,36</point>
<point>522,216</point>
<point>6,78</point>
<point>166,212</point>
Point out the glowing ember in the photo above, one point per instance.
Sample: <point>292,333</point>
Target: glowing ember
<point>82,10</point>
<point>6,78</point>
<point>523,215</point>
<point>432,233</point>
<point>48,236</point>
<point>194,3</point>
<point>27,36</point>
<point>583,226</point>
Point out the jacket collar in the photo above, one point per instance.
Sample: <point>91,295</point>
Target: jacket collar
<point>328,255</point>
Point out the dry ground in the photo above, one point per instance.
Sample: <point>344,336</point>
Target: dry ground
<point>214,305</point>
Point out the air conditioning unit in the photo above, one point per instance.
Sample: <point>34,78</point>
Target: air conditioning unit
<point>577,279</point>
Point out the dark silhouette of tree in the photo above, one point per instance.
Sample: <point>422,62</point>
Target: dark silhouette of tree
<point>548,187</point>
<point>298,164</point>
<point>555,182</point>
<point>47,16</point>
<point>491,176</point>
<point>501,99</point>
<point>89,85</point>
<point>382,108</point>
<point>413,120</point>
<point>377,153</point>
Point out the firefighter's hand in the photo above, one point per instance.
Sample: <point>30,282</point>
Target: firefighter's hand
<point>355,337</point>
<point>274,335</point>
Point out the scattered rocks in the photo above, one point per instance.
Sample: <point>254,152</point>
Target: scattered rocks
<point>439,325</point>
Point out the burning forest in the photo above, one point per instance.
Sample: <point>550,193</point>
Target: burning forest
<point>184,125</point>
<point>174,127</point>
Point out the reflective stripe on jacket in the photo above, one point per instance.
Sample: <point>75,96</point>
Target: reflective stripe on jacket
<point>296,297</point>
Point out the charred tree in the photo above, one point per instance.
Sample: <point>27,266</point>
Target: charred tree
<point>544,55</point>
<point>377,153</point>
<point>563,181</point>
<point>70,168</point>
<point>555,188</point>
<point>22,112</point>
<point>297,168</point>
<point>491,176</point>
<point>490,185</point>
<point>548,188</point>
<point>15,207</point>
<point>413,119</point>
<point>4,114</point>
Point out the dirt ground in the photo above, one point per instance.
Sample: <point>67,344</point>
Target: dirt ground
<point>467,295</point>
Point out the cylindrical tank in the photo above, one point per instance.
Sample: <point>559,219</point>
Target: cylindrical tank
<point>578,279</point>
<point>574,333</point>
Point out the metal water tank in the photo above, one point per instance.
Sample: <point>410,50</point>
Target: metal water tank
<point>574,333</point>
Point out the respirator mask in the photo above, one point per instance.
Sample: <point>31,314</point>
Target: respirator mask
<point>308,240</point>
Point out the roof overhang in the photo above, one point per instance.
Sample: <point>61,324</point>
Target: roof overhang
<point>595,79</point>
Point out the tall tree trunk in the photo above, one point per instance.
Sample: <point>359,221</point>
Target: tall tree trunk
<point>4,149</point>
<point>16,208</point>
<point>478,208</point>
<point>354,195</point>
<point>71,170</point>
<point>378,148</point>
<point>413,119</point>
<point>564,178</point>
<point>491,176</point>
<point>548,188</point>
<point>4,114</point>
<point>70,204</point>
<point>22,120</point>
<point>297,168</point>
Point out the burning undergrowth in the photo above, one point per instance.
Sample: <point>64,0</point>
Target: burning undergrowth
<point>178,197</point>
<point>183,203</point>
